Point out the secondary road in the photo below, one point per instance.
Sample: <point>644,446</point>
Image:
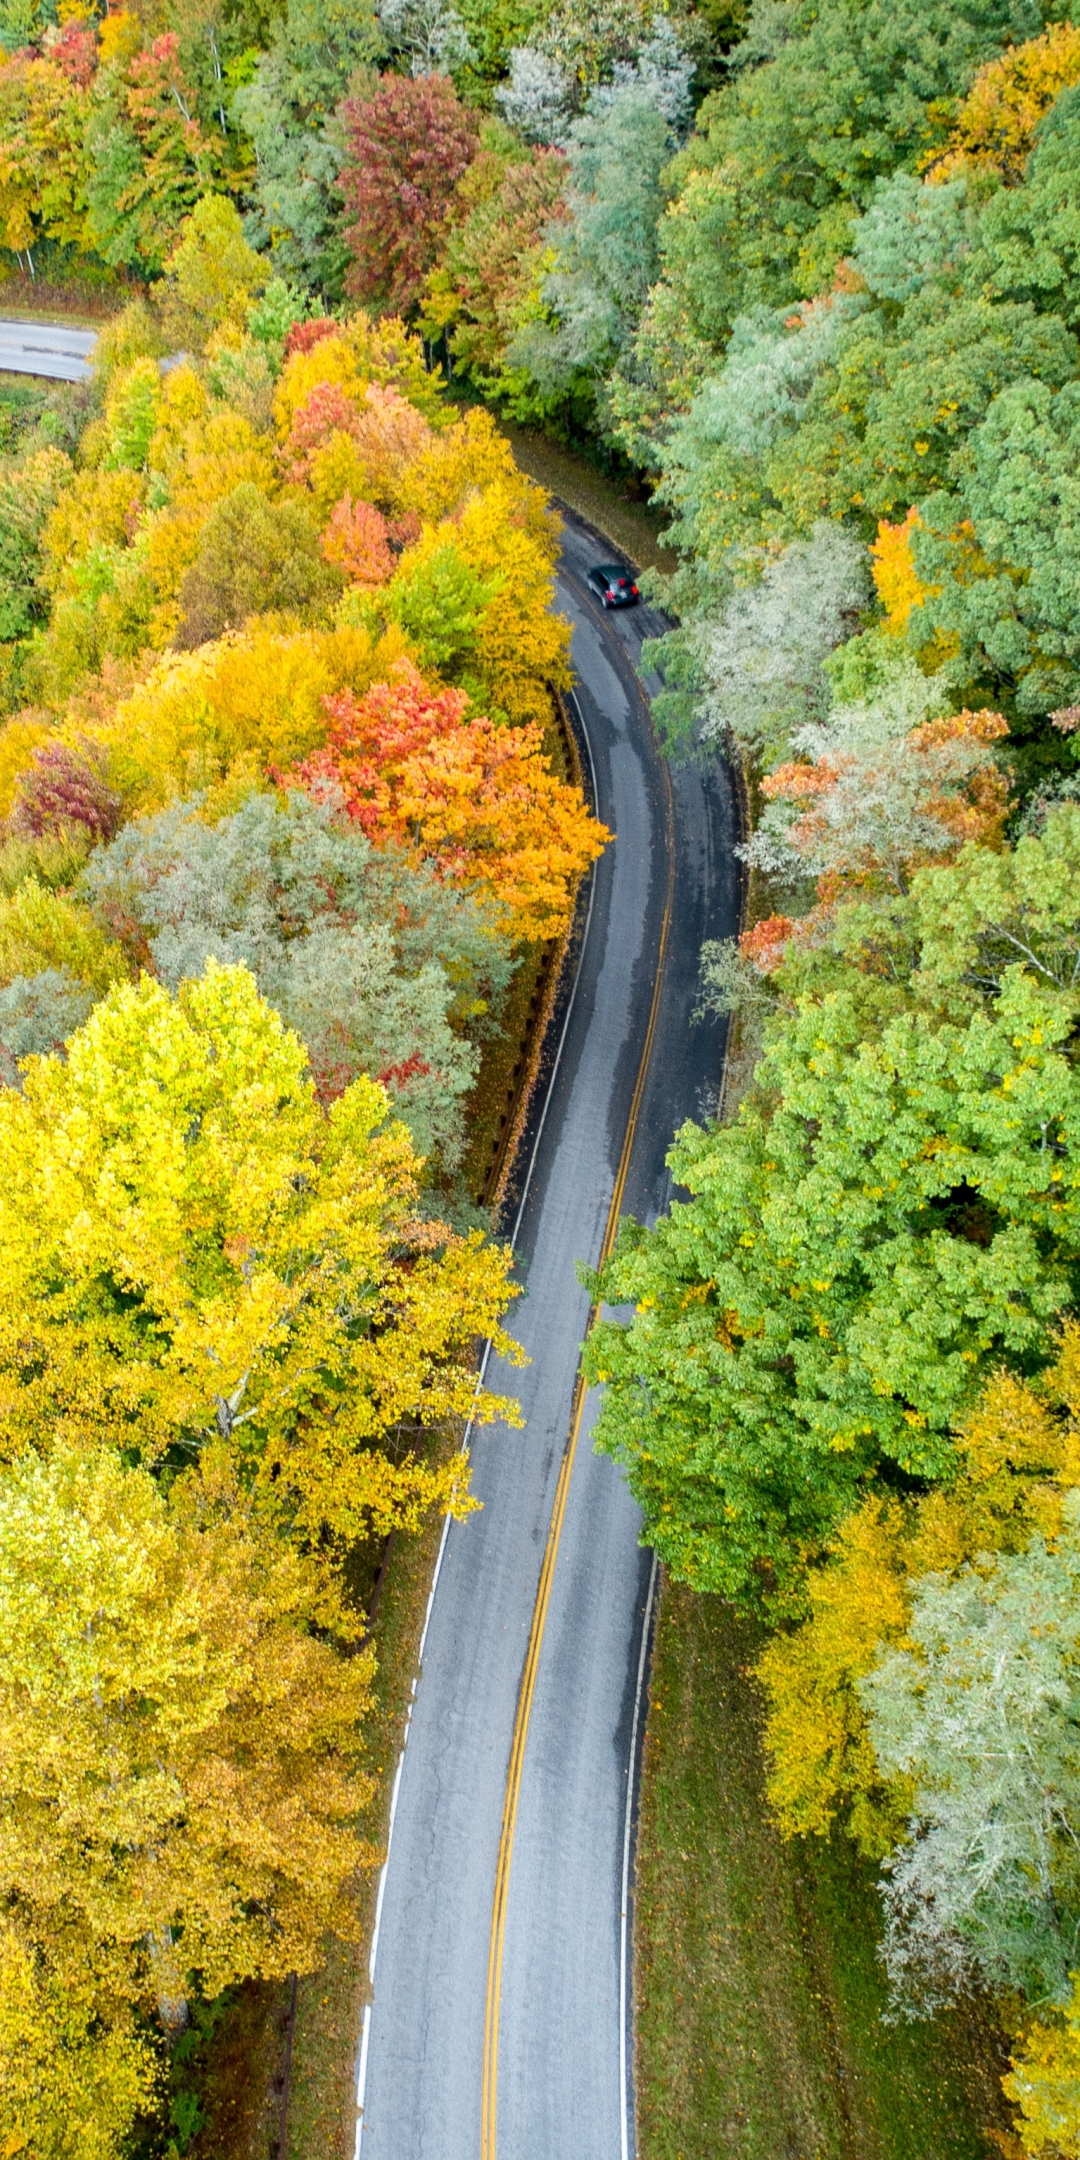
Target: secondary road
<point>52,349</point>
<point>511,2043</point>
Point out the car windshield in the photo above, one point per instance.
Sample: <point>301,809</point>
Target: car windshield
<point>610,576</point>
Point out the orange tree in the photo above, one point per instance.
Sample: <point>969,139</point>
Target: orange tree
<point>479,801</point>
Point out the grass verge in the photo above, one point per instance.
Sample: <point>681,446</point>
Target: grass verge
<point>759,1994</point>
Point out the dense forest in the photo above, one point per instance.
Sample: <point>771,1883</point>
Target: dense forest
<point>281,818</point>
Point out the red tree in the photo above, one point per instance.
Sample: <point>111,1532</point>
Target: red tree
<point>407,148</point>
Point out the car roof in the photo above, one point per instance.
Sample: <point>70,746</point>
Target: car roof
<point>611,570</point>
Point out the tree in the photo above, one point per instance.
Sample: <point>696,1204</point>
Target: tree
<point>888,1218</point>
<point>76,2071</point>
<point>212,275</point>
<point>809,119</point>
<point>181,1751</point>
<point>875,804</point>
<point>477,801</point>
<point>40,929</point>
<point>193,1247</point>
<point>232,711</point>
<point>27,495</point>
<point>378,966</point>
<point>254,556</point>
<point>43,119</point>
<point>406,148</point>
<point>756,664</point>
<point>997,557</point>
<point>38,1012</point>
<point>605,249</point>
<point>428,35</point>
<point>495,253</point>
<point>977,1713</point>
<point>64,788</point>
<point>1029,236</point>
<point>1017,1456</point>
<point>148,158</point>
<point>1045,2082</point>
<point>998,120</point>
<point>289,111</point>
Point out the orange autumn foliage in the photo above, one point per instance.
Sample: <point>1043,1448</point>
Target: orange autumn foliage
<point>997,121</point>
<point>765,945</point>
<point>357,541</point>
<point>478,801</point>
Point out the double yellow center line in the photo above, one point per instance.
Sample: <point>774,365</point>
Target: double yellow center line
<point>490,2075</point>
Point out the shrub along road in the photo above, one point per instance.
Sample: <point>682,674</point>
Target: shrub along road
<point>496,2021</point>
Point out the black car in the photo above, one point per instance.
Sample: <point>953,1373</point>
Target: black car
<point>615,587</point>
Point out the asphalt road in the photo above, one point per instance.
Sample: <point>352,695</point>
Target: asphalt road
<point>52,349</point>
<point>562,2091</point>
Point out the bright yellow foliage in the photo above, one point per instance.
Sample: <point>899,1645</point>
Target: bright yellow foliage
<point>250,703</point>
<point>179,1751</point>
<point>19,738</point>
<point>1016,1459</point>
<point>98,510</point>
<point>211,458</point>
<point>899,587</point>
<point>191,1245</point>
<point>1045,2084</point>
<point>42,929</point>
<point>470,458</point>
<point>996,124</point>
<point>361,352</point>
<point>522,644</point>
<point>75,2069</point>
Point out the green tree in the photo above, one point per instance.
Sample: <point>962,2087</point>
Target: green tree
<point>892,1212</point>
<point>254,555</point>
<point>378,966</point>
<point>211,275</point>
<point>821,103</point>
<point>1001,552</point>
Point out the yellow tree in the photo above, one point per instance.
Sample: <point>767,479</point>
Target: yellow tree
<point>247,704</point>
<point>77,2065</point>
<point>998,119</point>
<point>190,1247</point>
<point>179,1754</point>
<point>42,929</point>
<point>1017,1453</point>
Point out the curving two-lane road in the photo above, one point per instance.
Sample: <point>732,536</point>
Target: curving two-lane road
<point>511,2043</point>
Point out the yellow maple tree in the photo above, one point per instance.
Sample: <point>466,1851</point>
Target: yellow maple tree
<point>997,121</point>
<point>1018,1452</point>
<point>190,1246</point>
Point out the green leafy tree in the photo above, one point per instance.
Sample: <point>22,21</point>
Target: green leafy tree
<point>254,555</point>
<point>378,966</point>
<point>1001,552</point>
<point>289,112</point>
<point>605,255</point>
<point>820,105</point>
<point>892,1212</point>
<point>211,275</point>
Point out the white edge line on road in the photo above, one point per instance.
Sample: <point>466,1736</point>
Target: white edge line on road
<point>361,2069</point>
<point>625,2007</point>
